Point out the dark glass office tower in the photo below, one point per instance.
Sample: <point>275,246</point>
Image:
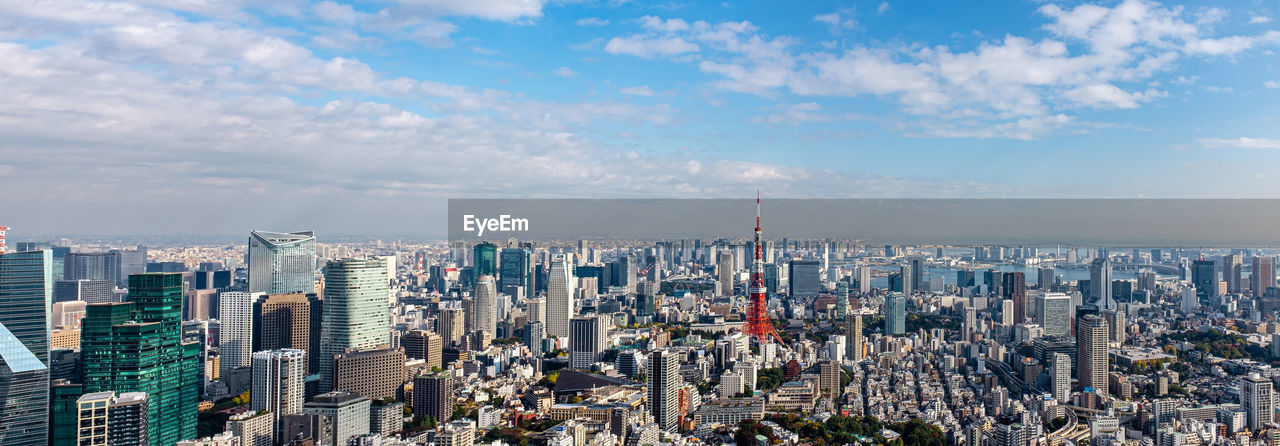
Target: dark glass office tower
<point>486,259</point>
<point>26,291</point>
<point>137,347</point>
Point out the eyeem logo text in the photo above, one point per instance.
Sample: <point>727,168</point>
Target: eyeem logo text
<point>503,223</point>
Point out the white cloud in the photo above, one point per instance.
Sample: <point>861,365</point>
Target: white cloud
<point>1259,19</point>
<point>1217,89</point>
<point>665,26</point>
<point>507,10</point>
<point>1242,142</point>
<point>592,21</point>
<point>334,12</point>
<point>649,47</point>
<point>837,21</point>
<point>434,34</point>
<point>1109,96</point>
<point>1103,57</point>
<point>564,72</point>
<point>796,114</point>
<point>883,8</point>
<point>1271,84</point>
<point>642,90</point>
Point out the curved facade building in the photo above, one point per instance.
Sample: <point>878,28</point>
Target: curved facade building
<point>282,262</point>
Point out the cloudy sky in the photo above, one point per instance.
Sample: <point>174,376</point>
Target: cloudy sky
<point>214,117</point>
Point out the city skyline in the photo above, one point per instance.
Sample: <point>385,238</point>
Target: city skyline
<point>299,112</point>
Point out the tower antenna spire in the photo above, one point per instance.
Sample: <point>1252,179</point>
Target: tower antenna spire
<point>758,325</point>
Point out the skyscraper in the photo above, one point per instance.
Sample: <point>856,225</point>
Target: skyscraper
<point>91,266</point>
<point>724,273</point>
<point>907,280</point>
<point>1091,354</point>
<point>917,272</point>
<point>588,337</point>
<point>91,291</point>
<point>283,321</point>
<point>1256,400</point>
<point>533,335</point>
<point>26,299</point>
<point>137,347</point>
<point>1264,274</point>
<point>235,312</point>
<point>24,393</point>
<point>646,295</point>
<point>864,278</point>
<point>281,262</point>
<point>1204,277</point>
<point>1060,383</point>
<point>536,309</point>
<point>486,302</point>
<point>1044,277</point>
<point>516,271</point>
<point>1053,312</point>
<point>664,388</point>
<point>853,336</point>
<point>485,259</point>
<point>1232,270</point>
<point>1014,287</point>
<point>450,325</point>
<point>355,310</point>
<point>278,383</point>
<point>1100,283</point>
<point>895,313</point>
<point>802,278</point>
<point>560,291</point>
<point>1115,325</point>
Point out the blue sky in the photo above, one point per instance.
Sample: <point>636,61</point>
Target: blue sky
<point>362,117</point>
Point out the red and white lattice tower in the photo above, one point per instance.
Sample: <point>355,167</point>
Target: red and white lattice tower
<point>4,231</point>
<point>758,325</point>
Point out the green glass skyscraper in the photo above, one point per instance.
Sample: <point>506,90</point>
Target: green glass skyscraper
<point>137,346</point>
<point>486,259</point>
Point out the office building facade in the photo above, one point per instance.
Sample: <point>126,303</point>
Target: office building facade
<point>282,262</point>
<point>355,310</point>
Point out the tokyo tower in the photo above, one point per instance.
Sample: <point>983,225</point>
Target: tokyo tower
<point>758,325</point>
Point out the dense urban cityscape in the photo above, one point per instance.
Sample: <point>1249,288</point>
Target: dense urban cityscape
<point>639,223</point>
<point>286,340</point>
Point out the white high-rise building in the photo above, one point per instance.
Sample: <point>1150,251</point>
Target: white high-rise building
<point>235,312</point>
<point>1061,377</point>
<point>486,302</point>
<point>355,310</point>
<point>864,278</point>
<point>1256,400</point>
<point>731,384</point>
<point>588,338</point>
<point>278,383</point>
<point>1190,302</point>
<point>560,291</point>
<point>1053,312</point>
<point>282,262</point>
